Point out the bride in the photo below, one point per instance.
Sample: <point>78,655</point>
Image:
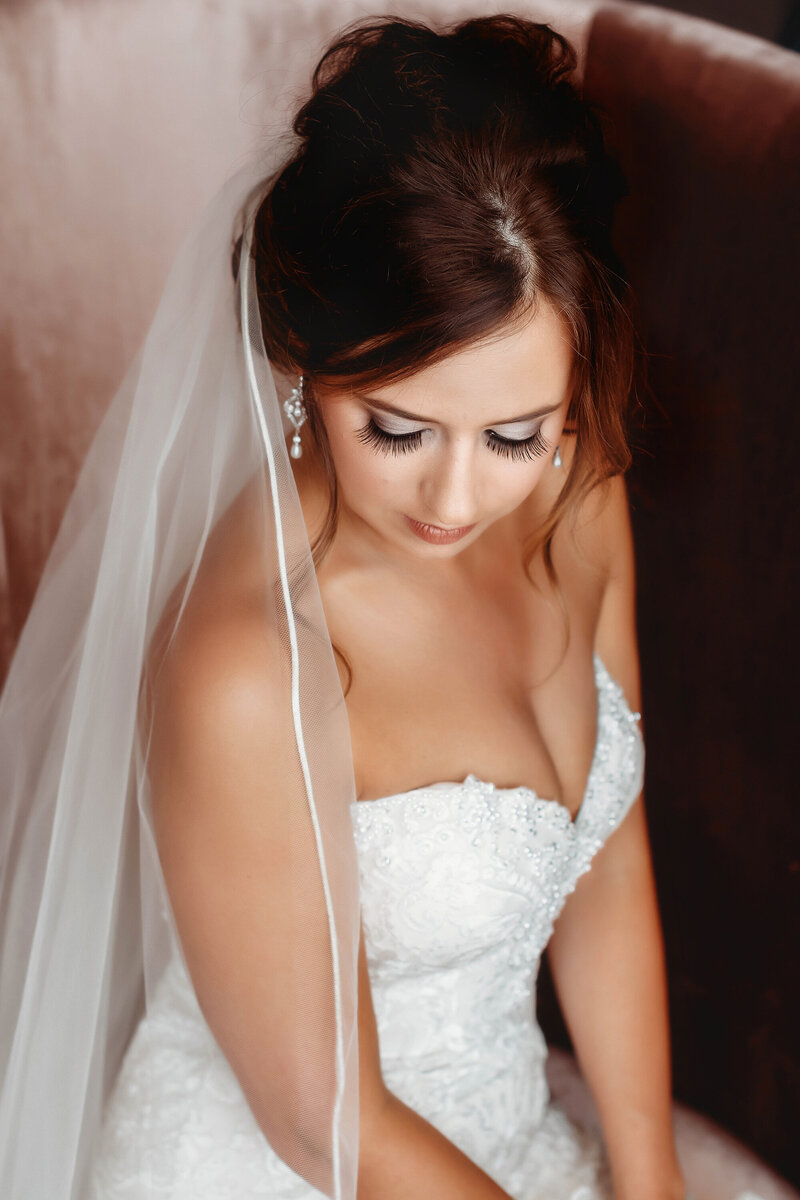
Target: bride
<point>325,721</point>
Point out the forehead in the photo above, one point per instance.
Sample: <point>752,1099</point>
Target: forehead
<point>522,367</point>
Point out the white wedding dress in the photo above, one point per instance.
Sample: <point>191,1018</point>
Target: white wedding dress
<point>460,884</point>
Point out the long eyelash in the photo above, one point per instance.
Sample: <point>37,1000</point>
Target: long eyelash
<point>526,450</point>
<point>403,443</point>
<point>389,443</point>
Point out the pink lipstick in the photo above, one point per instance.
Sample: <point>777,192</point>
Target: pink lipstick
<point>436,534</point>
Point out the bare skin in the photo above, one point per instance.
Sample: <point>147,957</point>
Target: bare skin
<point>516,707</point>
<point>458,666</point>
<point>458,662</point>
<point>422,710</point>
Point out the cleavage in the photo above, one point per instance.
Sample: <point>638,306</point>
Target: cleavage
<point>415,722</point>
<point>444,687</point>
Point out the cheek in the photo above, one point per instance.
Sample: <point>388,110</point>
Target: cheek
<point>366,479</point>
<point>512,483</point>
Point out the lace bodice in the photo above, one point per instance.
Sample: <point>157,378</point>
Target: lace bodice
<point>461,884</point>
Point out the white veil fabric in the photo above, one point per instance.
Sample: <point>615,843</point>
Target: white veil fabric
<point>185,502</point>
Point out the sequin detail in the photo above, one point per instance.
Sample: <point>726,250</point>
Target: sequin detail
<point>461,884</point>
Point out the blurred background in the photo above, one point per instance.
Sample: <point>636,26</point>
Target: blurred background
<point>119,119</point>
<point>776,20</point>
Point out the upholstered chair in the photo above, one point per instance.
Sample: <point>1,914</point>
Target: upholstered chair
<point>119,121</point>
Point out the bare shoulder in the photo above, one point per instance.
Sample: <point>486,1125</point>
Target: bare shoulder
<point>599,534</point>
<point>230,824</point>
<point>216,690</point>
<point>218,679</point>
<point>218,758</point>
<point>221,776</point>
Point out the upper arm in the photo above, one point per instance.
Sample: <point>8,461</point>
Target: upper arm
<point>608,533</point>
<point>243,879</point>
<point>605,538</point>
<point>600,536</point>
<point>612,912</point>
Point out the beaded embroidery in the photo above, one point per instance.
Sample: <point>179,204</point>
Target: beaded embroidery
<point>461,884</point>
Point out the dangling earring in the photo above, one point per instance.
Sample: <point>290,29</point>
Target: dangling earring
<point>295,410</point>
<point>557,456</point>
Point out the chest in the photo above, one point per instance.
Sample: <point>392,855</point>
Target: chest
<point>492,678</point>
<point>455,871</point>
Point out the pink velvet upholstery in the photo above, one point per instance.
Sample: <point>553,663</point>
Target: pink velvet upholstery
<point>120,120</point>
<point>707,122</point>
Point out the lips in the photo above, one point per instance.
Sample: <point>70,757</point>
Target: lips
<point>436,534</point>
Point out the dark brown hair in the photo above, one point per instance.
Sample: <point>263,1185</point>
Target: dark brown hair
<point>443,181</point>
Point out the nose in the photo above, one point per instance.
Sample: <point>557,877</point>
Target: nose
<point>450,488</point>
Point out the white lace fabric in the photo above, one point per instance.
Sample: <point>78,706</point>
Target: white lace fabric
<point>461,884</point>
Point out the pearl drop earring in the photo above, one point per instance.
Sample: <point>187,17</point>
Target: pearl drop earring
<point>295,410</point>
<point>557,457</point>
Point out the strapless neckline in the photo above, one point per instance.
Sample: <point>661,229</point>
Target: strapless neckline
<point>519,791</point>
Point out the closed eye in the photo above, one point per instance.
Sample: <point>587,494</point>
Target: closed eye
<point>389,443</point>
<point>517,449</point>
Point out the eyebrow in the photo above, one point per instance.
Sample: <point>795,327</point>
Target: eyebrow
<point>407,416</point>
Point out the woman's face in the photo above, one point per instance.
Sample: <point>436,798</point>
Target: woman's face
<point>429,463</point>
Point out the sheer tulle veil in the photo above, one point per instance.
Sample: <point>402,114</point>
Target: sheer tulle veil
<point>190,456</point>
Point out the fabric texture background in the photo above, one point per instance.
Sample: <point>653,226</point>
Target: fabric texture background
<point>120,123</point>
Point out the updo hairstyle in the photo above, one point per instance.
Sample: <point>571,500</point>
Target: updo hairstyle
<point>443,182</point>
